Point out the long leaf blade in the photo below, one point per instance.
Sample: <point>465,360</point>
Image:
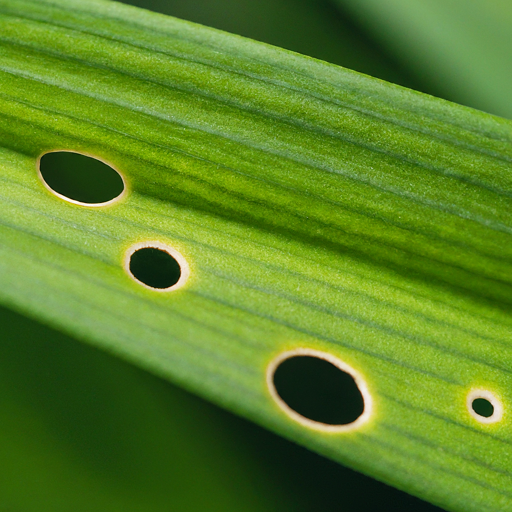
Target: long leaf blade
<point>317,208</point>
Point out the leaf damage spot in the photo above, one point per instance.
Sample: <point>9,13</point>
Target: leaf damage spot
<point>319,390</point>
<point>156,266</point>
<point>80,179</point>
<point>484,406</point>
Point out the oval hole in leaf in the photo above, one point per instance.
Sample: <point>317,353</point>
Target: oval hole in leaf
<point>483,407</point>
<point>318,390</point>
<point>80,179</point>
<point>157,266</point>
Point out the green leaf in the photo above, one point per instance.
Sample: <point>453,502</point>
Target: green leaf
<point>313,28</point>
<point>80,423</point>
<point>316,208</point>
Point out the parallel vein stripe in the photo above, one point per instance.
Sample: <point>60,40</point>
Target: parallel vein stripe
<point>332,226</point>
<point>439,467</point>
<point>362,321</point>
<point>431,445</point>
<point>308,126</point>
<point>333,341</point>
<point>445,208</point>
<point>283,84</point>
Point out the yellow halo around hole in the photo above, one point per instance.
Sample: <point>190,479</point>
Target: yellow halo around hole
<point>496,416</point>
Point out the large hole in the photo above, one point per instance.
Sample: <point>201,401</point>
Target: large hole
<point>80,179</point>
<point>157,266</point>
<point>318,390</point>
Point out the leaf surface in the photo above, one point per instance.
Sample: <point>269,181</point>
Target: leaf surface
<point>317,209</point>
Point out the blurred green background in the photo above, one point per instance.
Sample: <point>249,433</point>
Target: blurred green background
<point>84,431</point>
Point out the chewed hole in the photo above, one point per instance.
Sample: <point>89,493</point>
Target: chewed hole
<point>157,266</point>
<point>484,406</point>
<point>80,179</point>
<point>319,390</point>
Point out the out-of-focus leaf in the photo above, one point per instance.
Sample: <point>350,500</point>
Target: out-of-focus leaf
<point>311,27</point>
<point>82,431</point>
<point>459,47</point>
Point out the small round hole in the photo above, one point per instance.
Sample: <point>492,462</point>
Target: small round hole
<point>80,179</point>
<point>484,406</point>
<point>319,390</point>
<point>157,266</point>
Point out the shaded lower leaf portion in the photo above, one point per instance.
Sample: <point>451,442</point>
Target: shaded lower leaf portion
<point>316,208</point>
<point>85,431</point>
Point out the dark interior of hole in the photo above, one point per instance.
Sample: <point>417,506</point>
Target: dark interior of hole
<point>483,407</point>
<point>318,390</point>
<point>80,178</point>
<point>155,268</point>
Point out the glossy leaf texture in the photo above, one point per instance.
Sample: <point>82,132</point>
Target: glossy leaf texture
<point>316,208</point>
